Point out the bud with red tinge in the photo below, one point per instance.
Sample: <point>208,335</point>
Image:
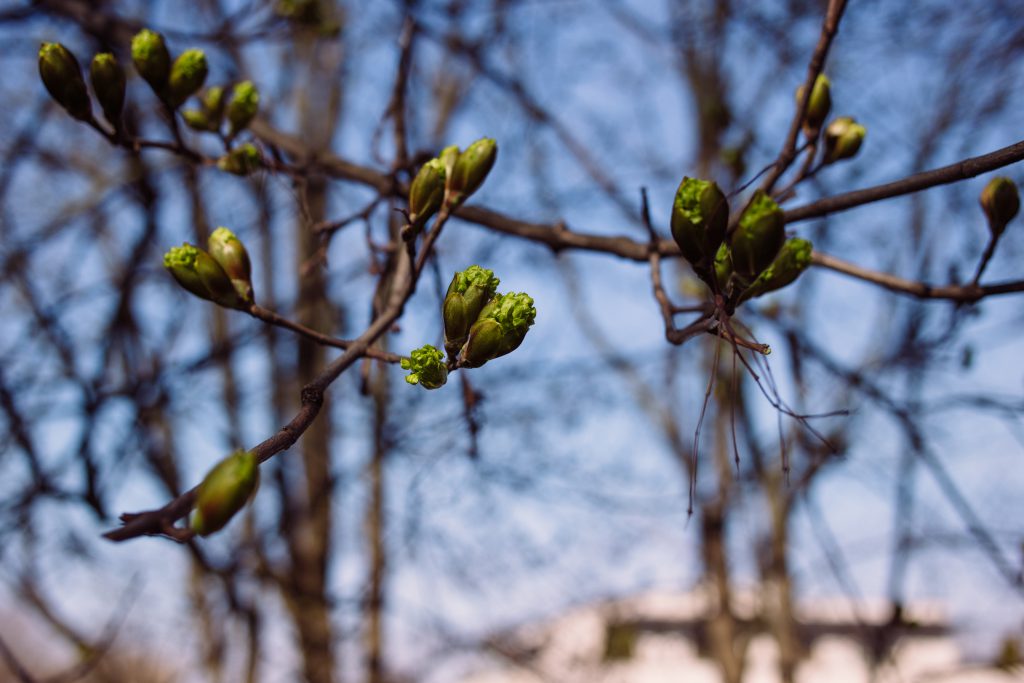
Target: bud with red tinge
<point>229,252</point>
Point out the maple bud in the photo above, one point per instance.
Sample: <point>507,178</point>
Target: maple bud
<point>1000,202</point>
<point>468,293</point>
<point>229,252</point>
<point>500,328</point>
<point>108,82</point>
<point>426,193</point>
<point>818,106</point>
<point>198,272</point>
<point>758,237</point>
<point>427,367</point>
<point>242,160</point>
<point>700,215</point>
<point>62,77</point>
<point>843,138</point>
<point>793,259</point>
<point>187,76</point>
<point>224,491</point>
<point>151,59</point>
<point>471,168</point>
<point>243,105</point>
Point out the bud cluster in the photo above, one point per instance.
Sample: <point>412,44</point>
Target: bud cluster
<point>224,491</point>
<point>427,367</point>
<point>751,260</point>
<point>222,275</point>
<point>843,136</point>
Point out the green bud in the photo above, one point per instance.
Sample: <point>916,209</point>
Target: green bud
<point>196,120</point>
<point>224,491</point>
<point>468,293</point>
<point>229,252</point>
<point>426,192</point>
<point>243,105</point>
<point>793,259</point>
<point>843,138</point>
<point>700,216</point>
<point>242,160</point>
<point>1000,202</point>
<point>758,237</point>
<point>151,59</point>
<point>212,101</point>
<point>187,76</point>
<point>471,168</point>
<point>427,367</point>
<point>818,106</point>
<point>62,77</point>
<point>448,156</point>
<point>108,82</point>
<point>200,274</point>
<point>500,328</point>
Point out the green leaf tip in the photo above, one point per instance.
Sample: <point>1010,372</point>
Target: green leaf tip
<point>475,276</point>
<point>427,367</point>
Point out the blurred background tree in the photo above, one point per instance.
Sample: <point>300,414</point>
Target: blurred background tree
<point>405,525</point>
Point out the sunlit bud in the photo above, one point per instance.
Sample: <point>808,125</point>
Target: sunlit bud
<point>758,237</point>
<point>229,252</point>
<point>471,168</point>
<point>108,82</point>
<point>500,328</point>
<point>63,79</point>
<point>723,267</point>
<point>468,293</point>
<point>196,120</point>
<point>151,59</point>
<point>200,274</point>
<point>1000,202</point>
<point>700,215</point>
<point>187,76</point>
<point>243,105</point>
<point>426,192</point>
<point>427,367</point>
<point>224,491</point>
<point>242,160</point>
<point>794,258</point>
<point>818,106</point>
<point>843,138</point>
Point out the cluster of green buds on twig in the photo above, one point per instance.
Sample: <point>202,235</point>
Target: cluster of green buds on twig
<point>222,274</point>
<point>753,259</point>
<point>173,82</point>
<point>480,324</point>
<point>448,180</point>
<point>224,491</point>
<point>843,136</point>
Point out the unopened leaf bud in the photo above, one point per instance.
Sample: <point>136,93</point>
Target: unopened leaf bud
<point>700,216</point>
<point>200,274</point>
<point>426,193</point>
<point>448,156</point>
<point>187,76</point>
<point>471,168</point>
<point>793,259</point>
<point>242,160</point>
<point>843,138</point>
<point>1000,202</point>
<point>62,77</point>
<point>151,59</point>
<point>229,252</point>
<point>212,101</point>
<point>196,120</point>
<point>758,237</point>
<point>224,491</point>
<point>427,367</point>
<point>108,82</point>
<point>818,106</point>
<point>243,105</point>
<point>468,293</point>
<point>723,267</point>
<point>500,328</point>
